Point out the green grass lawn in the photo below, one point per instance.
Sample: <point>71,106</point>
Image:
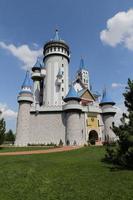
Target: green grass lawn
<point>14,149</point>
<point>74,175</point>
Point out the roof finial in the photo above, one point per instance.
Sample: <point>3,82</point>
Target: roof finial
<point>56,37</point>
<point>82,66</point>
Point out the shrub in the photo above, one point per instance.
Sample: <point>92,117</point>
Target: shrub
<point>60,143</point>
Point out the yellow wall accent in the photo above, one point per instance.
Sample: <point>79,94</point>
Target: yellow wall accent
<point>92,122</point>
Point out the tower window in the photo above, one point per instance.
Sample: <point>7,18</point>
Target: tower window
<point>62,73</point>
<point>62,89</point>
<point>62,49</point>
<point>50,49</point>
<point>62,97</point>
<point>58,48</point>
<point>62,81</point>
<point>62,65</point>
<point>54,48</point>
<point>62,57</point>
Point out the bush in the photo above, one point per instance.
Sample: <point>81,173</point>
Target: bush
<point>60,143</point>
<point>67,142</point>
<point>2,130</point>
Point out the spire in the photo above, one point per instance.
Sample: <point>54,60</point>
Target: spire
<point>26,82</point>
<point>72,95</point>
<point>106,99</point>
<point>82,66</point>
<point>37,65</point>
<point>26,86</point>
<point>56,37</point>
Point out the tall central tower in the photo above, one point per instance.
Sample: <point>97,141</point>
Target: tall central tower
<point>56,62</point>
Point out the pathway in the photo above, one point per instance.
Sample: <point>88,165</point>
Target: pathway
<point>46,151</point>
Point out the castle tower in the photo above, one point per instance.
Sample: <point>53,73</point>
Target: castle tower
<point>56,60</point>
<point>83,74</point>
<point>36,77</point>
<point>74,132</point>
<point>25,99</point>
<point>108,113</point>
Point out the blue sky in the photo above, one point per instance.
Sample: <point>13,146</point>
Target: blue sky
<point>108,55</point>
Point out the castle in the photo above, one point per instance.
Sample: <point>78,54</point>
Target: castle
<point>55,110</point>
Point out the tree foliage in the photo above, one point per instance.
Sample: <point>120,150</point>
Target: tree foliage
<point>122,153</point>
<point>10,137</point>
<point>2,130</point>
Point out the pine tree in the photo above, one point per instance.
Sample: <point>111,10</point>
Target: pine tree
<point>2,130</point>
<point>122,153</point>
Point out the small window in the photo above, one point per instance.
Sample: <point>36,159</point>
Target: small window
<point>62,73</point>
<point>58,48</point>
<point>62,65</point>
<point>62,81</point>
<point>62,97</point>
<point>50,49</point>
<point>62,89</point>
<point>62,49</point>
<point>98,123</point>
<point>54,48</point>
<point>62,57</point>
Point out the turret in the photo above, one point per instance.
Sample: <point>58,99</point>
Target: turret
<point>72,108</point>
<point>36,77</point>
<point>56,59</point>
<point>83,74</point>
<point>25,99</point>
<point>108,113</point>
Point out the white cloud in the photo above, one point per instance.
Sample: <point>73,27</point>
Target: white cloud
<point>7,113</point>
<point>119,30</point>
<point>117,85</point>
<point>26,55</point>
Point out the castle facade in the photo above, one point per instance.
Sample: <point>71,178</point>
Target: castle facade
<point>53,110</point>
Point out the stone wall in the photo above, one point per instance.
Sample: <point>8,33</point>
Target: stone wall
<point>47,127</point>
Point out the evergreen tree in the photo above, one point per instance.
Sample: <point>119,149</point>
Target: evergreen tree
<point>122,153</point>
<point>2,130</point>
<point>10,137</point>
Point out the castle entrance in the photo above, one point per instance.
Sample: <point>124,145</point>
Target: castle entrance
<point>93,135</point>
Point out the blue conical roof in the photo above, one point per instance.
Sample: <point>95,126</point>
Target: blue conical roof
<point>56,37</point>
<point>27,82</point>
<point>72,95</point>
<point>26,86</point>
<point>106,99</point>
<point>37,65</point>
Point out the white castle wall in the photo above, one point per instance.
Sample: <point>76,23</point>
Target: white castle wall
<point>75,131</point>
<point>52,92</point>
<point>47,127</point>
<point>23,124</point>
<point>107,127</point>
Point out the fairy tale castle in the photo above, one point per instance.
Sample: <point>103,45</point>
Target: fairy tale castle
<point>52,110</point>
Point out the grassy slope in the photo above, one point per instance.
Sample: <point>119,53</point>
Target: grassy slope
<point>75,175</point>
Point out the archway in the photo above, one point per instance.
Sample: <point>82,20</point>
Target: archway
<point>93,135</point>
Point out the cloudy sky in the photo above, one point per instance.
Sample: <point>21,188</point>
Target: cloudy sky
<point>100,31</point>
